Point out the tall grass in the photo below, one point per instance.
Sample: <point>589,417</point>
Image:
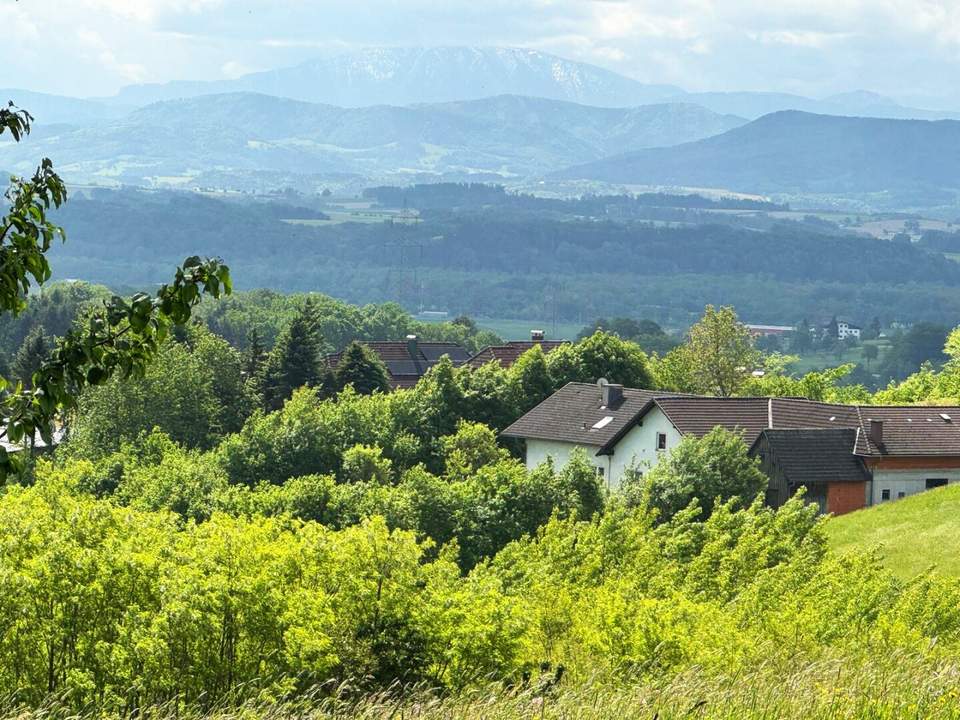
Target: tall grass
<point>889,687</point>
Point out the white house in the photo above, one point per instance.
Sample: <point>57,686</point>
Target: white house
<point>858,456</point>
<point>846,330</point>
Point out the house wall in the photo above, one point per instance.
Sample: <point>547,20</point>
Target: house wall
<point>539,451</point>
<point>638,447</point>
<point>908,481</point>
<point>844,497</point>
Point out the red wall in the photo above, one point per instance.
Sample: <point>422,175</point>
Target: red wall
<point>844,497</point>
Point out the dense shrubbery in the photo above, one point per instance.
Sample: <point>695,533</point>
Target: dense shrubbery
<point>184,546</point>
<point>123,608</point>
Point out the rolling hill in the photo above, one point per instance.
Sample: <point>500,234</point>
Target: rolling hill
<point>242,134</point>
<point>794,151</point>
<point>931,521</point>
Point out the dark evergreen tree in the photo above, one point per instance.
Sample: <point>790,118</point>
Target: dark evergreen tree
<point>255,355</point>
<point>296,360</point>
<point>360,367</point>
<point>30,356</point>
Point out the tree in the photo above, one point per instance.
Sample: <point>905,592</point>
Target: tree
<point>602,355</point>
<point>294,362</point>
<point>30,356</point>
<point>193,391</point>
<point>119,337</point>
<point>362,369</point>
<point>531,379</point>
<point>716,467</point>
<point>720,351</point>
<point>802,340</point>
<point>870,353</point>
<point>255,356</point>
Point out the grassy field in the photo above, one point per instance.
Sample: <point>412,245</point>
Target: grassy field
<point>819,360</point>
<point>520,329</point>
<point>913,534</point>
<point>872,688</point>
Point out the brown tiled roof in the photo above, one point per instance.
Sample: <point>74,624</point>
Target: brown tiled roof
<point>510,352</point>
<point>751,416</point>
<point>914,430</point>
<point>569,415</point>
<point>403,368</point>
<point>815,456</point>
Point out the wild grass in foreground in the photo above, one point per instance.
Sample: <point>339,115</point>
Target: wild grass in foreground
<point>895,686</point>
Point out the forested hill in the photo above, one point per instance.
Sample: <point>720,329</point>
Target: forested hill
<point>796,151</point>
<point>239,134</point>
<point>505,264</point>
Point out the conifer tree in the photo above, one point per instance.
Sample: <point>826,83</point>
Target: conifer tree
<point>30,356</point>
<point>295,361</point>
<point>360,367</point>
<point>255,356</point>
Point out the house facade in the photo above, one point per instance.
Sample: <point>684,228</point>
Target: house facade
<point>845,456</point>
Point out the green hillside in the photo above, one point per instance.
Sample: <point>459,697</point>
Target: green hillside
<point>913,534</point>
<point>798,152</point>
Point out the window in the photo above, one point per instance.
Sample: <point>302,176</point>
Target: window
<point>885,494</point>
<point>661,441</point>
<point>901,494</point>
<point>600,471</point>
<point>935,483</point>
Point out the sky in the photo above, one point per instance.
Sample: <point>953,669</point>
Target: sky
<point>907,49</point>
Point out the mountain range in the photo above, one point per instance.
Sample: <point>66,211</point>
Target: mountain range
<point>244,133</point>
<point>793,151</point>
<point>411,75</point>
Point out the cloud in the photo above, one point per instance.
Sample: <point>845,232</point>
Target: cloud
<point>799,38</point>
<point>233,69</point>
<point>815,47</point>
<point>97,47</point>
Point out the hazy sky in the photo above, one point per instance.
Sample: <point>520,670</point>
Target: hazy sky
<point>909,49</point>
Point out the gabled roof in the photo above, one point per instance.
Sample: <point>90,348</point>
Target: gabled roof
<point>508,353</point>
<point>403,367</point>
<point>913,430</point>
<point>697,415</point>
<point>570,414</point>
<point>815,456</point>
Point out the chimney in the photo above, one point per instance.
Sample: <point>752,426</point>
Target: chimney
<point>876,432</point>
<point>611,395</point>
<point>536,336</point>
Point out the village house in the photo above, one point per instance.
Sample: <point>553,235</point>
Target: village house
<point>508,353</point>
<point>846,456</point>
<point>408,360</point>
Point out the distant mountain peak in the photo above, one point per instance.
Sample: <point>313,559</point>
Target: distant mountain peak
<point>411,75</point>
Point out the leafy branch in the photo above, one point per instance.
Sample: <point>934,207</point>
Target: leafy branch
<point>121,336</point>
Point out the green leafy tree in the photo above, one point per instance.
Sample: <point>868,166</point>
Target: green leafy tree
<point>720,352</point>
<point>366,463</point>
<point>602,355</point>
<point>714,468</point>
<point>531,379</point>
<point>119,337</point>
<point>362,369</point>
<point>195,392</point>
